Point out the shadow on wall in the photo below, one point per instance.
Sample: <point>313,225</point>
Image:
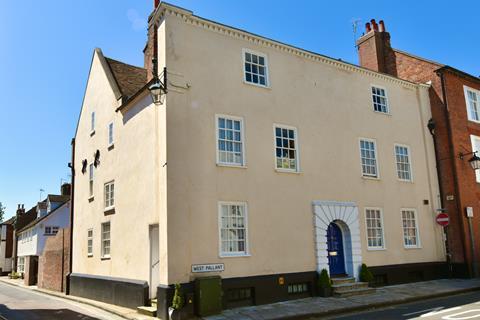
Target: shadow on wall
<point>138,107</point>
<point>42,314</point>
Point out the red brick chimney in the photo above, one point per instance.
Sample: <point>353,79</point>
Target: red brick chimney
<point>151,48</point>
<point>20,210</point>
<point>374,49</point>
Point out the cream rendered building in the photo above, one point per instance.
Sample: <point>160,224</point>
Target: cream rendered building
<point>265,164</point>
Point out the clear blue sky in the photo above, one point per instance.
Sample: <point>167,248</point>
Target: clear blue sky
<point>46,48</point>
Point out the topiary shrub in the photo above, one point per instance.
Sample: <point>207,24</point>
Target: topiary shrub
<point>365,274</point>
<point>324,279</point>
<point>178,302</point>
<point>324,284</point>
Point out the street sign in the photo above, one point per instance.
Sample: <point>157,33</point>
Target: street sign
<point>442,219</point>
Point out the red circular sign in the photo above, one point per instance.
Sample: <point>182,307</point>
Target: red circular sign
<point>442,219</point>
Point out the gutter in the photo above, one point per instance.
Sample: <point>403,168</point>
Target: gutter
<point>72,204</point>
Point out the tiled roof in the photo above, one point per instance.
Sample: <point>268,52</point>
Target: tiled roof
<point>130,79</point>
<point>9,221</point>
<point>58,198</point>
<point>37,220</point>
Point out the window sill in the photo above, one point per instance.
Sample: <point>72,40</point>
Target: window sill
<point>105,258</point>
<point>110,146</point>
<point>370,178</point>
<point>405,181</point>
<point>92,133</point>
<point>412,247</point>
<point>90,199</point>
<point>239,255</point>
<point>383,113</point>
<point>256,85</point>
<point>231,165</point>
<point>89,255</point>
<point>287,171</point>
<point>109,210</point>
<point>376,249</point>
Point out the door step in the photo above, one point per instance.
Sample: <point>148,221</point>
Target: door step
<point>343,280</point>
<point>354,292</point>
<point>148,311</point>
<point>345,287</point>
<point>153,303</point>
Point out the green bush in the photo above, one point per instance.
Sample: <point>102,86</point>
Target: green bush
<point>178,301</point>
<point>365,274</point>
<point>324,279</point>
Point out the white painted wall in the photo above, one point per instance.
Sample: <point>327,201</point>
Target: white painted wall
<point>35,237</point>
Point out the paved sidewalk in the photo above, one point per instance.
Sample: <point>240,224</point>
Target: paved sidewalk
<point>385,296</point>
<point>119,311</point>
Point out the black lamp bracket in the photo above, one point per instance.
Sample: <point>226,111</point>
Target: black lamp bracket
<point>461,154</point>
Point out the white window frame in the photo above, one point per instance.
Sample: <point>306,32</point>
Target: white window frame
<point>21,266</point>
<point>475,141</point>
<point>377,166</point>
<point>90,242</point>
<point>376,248</point>
<point>103,240</point>
<point>91,179</point>
<point>92,123</point>
<point>222,254</point>
<point>259,54</point>
<point>417,229</point>
<point>297,148</point>
<point>467,103</point>
<point>387,101</point>
<point>410,166</point>
<point>52,230</point>
<point>111,200</point>
<point>111,132</point>
<point>242,137</point>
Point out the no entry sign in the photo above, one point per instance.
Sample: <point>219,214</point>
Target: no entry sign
<point>442,219</point>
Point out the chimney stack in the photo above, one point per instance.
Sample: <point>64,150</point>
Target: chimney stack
<point>65,189</point>
<point>20,210</point>
<point>374,49</point>
<point>151,48</point>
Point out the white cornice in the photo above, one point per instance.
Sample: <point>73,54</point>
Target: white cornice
<point>187,16</point>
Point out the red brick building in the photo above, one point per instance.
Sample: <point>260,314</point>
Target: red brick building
<point>455,127</point>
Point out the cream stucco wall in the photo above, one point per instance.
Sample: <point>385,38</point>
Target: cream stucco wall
<point>132,164</point>
<point>331,108</point>
<point>164,159</point>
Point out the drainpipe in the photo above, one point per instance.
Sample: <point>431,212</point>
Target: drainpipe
<point>72,191</point>
<point>431,127</point>
<point>453,156</point>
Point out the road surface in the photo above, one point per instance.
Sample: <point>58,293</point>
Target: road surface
<point>24,304</point>
<point>456,307</point>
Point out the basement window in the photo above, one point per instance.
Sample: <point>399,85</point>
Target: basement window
<point>297,288</point>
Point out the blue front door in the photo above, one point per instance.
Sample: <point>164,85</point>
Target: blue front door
<point>336,260</point>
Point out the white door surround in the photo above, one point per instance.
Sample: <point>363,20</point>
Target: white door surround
<point>346,216</point>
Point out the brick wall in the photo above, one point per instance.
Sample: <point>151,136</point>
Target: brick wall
<point>54,262</point>
<point>452,133</point>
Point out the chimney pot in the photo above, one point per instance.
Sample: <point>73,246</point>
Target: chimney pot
<point>382,26</point>
<point>374,24</point>
<point>156,3</point>
<point>368,28</point>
